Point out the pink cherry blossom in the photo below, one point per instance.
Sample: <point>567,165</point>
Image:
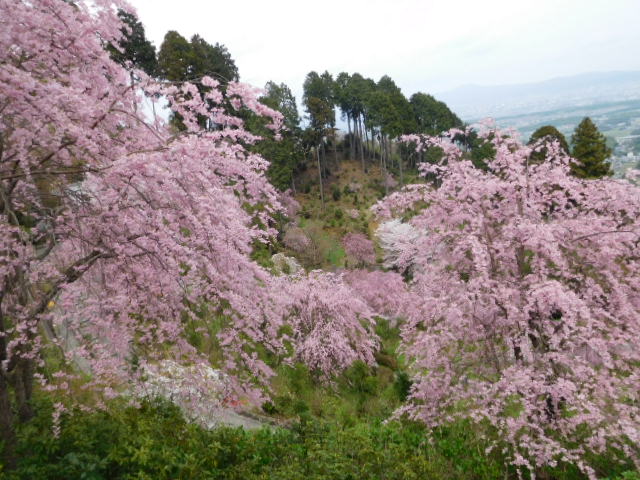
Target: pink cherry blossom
<point>118,235</point>
<point>525,302</point>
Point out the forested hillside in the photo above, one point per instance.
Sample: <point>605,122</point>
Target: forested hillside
<point>199,281</point>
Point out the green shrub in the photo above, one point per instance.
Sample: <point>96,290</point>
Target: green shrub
<point>335,192</point>
<point>155,442</point>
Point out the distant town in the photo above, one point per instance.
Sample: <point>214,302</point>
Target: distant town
<point>611,99</point>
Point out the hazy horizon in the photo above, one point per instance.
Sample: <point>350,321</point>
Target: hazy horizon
<point>423,46</point>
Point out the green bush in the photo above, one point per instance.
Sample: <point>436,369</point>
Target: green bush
<point>154,442</point>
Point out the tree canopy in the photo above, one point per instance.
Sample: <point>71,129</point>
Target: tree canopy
<point>542,137</point>
<point>318,99</point>
<point>136,49</point>
<point>525,287</point>
<point>432,116</point>
<point>590,150</point>
<point>180,60</point>
<point>286,154</point>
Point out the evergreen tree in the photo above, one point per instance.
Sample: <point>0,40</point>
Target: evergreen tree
<point>280,97</point>
<point>318,100</point>
<point>135,48</point>
<point>285,155</point>
<point>180,60</point>
<point>174,58</point>
<point>357,90</point>
<point>549,132</point>
<point>432,116</point>
<point>590,151</point>
<point>545,135</point>
<point>213,60</point>
<point>397,118</point>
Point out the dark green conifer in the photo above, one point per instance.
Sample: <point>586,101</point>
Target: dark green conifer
<point>136,50</point>
<point>590,151</point>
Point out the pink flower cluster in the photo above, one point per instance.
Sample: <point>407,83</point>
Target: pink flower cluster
<point>332,327</point>
<point>359,248</point>
<point>116,233</point>
<point>525,303</point>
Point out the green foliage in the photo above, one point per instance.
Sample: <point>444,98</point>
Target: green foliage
<point>590,151</point>
<point>388,108</point>
<point>547,133</point>
<point>280,97</point>
<point>262,253</point>
<point>155,442</point>
<point>335,254</point>
<point>135,48</point>
<point>213,60</point>
<point>336,433</point>
<point>478,149</point>
<point>174,57</point>
<point>285,155</point>
<point>402,385</point>
<point>318,100</point>
<point>431,116</point>
<point>335,192</point>
<point>180,60</point>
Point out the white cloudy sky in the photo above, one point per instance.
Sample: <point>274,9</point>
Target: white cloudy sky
<point>424,45</point>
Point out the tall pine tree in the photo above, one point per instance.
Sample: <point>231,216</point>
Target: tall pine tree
<point>590,151</point>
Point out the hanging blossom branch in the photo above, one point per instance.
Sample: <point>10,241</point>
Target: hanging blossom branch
<point>114,232</point>
<point>515,322</point>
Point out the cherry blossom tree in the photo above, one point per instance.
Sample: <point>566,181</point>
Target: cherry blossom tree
<point>359,248</point>
<point>525,308</point>
<point>385,293</point>
<point>116,233</point>
<point>296,239</point>
<point>332,327</point>
<point>398,241</point>
<point>289,204</point>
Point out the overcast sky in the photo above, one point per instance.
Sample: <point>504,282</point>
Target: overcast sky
<point>426,45</point>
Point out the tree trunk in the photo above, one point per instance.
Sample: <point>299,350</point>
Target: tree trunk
<point>373,146</point>
<point>320,177</point>
<point>335,148</point>
<point>133,90</point>
<point>389,155</point>
<point>23,387</point>
<point>7,433</point>
<point>366,141</point>
<point>400,161</point>
<point>364,167</point>
<point>351,154</point>
<point>384,165</point>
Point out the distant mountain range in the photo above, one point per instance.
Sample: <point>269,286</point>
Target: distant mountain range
<point>472,102</point>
